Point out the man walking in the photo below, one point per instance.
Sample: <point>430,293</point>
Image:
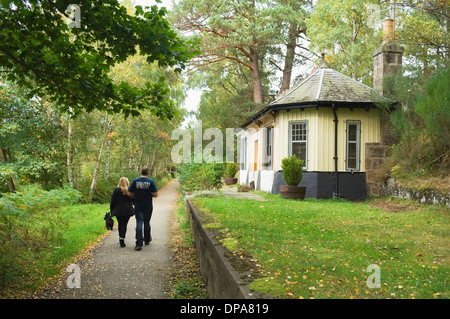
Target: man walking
<point>143,189</point>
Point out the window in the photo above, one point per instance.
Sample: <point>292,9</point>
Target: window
<point>268,143</point>
<point>298,140</point>
<point>353,141</point>
<point>243,154</point>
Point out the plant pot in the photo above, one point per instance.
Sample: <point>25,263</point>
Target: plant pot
<point>294,192</point>
<point>230,180</point>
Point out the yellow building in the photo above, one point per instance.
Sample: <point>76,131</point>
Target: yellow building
<point>325,120</point>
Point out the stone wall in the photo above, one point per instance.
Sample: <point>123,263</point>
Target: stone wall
<point>424,196</point>
<point>375,156</point>
<point>222,280</point>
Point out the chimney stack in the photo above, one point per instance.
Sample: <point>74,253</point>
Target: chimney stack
<point>387,61</point>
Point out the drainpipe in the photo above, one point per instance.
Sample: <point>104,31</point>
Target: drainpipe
<point>335,194</point>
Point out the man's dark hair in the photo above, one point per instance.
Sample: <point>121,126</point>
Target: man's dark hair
<point>145,170</point>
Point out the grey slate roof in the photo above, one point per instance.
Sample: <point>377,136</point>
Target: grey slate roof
<point>328,85</point>
<point>324,87</point>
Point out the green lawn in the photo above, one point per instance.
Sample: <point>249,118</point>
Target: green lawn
<point>322,248</point>
<point>44,242</point>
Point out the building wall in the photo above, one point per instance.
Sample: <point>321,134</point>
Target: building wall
<point>321,135</point>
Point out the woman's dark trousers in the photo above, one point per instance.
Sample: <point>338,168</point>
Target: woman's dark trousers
<point>123,222</point>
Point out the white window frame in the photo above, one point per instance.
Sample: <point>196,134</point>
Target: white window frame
<point>291,124</point>
<point>268,148</point>
<point>243,153</point>
<point>358,146</point>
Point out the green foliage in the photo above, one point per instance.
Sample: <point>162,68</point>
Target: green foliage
<point>204,176</point>
<point>240,35</point>
<point>420,128</point>
<point>70,66</point>
<point>30,138</point>
<point>434,108</point>
<point>29,224</point>
<point>292,170</point>
<point>427,49</point>
<point>37,248</point>
<point>32,198</point>
<point>343,31</point>
<point>231,170</point>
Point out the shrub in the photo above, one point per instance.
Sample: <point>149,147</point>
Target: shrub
<point>292,170</point>
<point>201,176</point>
<point>243,188</point>
<point>434,108</point>
<point>231,170</point>
<point>420,127</point>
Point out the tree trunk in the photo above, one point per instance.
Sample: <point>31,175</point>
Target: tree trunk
<point>289,59</point>
<point>9,181</point>
<point>108,147</point>
<point>69,154</point>
<point>95,177</point>
<point>256,76</point>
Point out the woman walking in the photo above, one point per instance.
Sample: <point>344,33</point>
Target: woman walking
<point>121,206</point>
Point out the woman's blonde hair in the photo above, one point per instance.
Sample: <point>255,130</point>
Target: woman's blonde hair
<point>123,184</point>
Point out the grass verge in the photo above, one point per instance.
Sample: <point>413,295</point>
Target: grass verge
<point>44,243</point>
<point>187,281</point>
<point>323,248</point>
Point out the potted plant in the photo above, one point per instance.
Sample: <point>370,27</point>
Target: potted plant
<point>230,173</point>
<point>292,173</point>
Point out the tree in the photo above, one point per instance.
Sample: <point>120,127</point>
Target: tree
<point>239,31</point>
<point>341,29</point>
<point>423,29</point>
<point>70,65</point>
<point>31,140</point>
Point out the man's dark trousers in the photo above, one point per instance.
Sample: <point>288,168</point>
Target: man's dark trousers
<point>143,216</point>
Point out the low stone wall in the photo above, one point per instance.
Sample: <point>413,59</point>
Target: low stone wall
<point>222,280</point>
<point>424,196</point>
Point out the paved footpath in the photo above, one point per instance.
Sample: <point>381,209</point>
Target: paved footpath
<point>121,273</point>
<point>232,192</point>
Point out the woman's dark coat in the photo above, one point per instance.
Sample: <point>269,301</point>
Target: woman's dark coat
<point>121,205</point>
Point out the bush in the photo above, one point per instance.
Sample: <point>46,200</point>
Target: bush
<point>421,127</point>
<point>231,170</point>
<point>434,108</point>
<point>27,226</point>
<point>204,176</point>
<point>243,188</point>
<point>33,197</point>
<point>292,170</point>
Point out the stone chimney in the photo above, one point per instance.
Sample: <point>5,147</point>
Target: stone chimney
<point>387,59</point>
